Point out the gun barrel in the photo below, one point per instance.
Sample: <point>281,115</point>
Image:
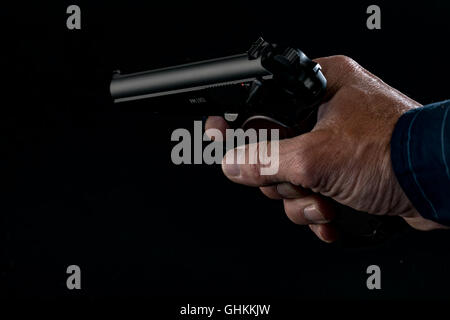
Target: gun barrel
<point>187,76</point>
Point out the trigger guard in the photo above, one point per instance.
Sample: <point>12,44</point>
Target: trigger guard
<point>266,122</point>
<point>263,118</point>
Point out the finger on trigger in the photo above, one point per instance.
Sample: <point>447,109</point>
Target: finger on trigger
<point>218,123</point>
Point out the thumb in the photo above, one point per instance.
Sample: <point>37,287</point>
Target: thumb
<point>270,162</point>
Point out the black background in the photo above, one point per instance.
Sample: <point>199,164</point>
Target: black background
<point>87,183</point>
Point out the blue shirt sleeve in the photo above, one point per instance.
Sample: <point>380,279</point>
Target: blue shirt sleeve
<point>420,152</point>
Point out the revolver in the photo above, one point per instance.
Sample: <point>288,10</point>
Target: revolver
<point>269,86</point>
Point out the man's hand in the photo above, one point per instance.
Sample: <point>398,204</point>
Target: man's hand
<point>345,157</point>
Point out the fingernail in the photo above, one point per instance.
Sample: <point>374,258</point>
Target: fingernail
<point>232,169</point>
<point>313,214</point>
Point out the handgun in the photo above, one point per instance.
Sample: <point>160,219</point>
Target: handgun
<point>269,86</point>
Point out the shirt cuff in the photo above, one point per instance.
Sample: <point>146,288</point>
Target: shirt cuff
<point>420,153</point>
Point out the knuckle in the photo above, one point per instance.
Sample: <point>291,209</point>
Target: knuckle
<point>250,165</point>
<point>303,165</point>
<point>254,174</point>
<point>344,60</point>
<point>347,64</point>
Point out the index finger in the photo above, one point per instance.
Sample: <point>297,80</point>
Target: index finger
<point>215,122</point>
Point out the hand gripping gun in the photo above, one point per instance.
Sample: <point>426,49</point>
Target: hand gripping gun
<point>269,86</point>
